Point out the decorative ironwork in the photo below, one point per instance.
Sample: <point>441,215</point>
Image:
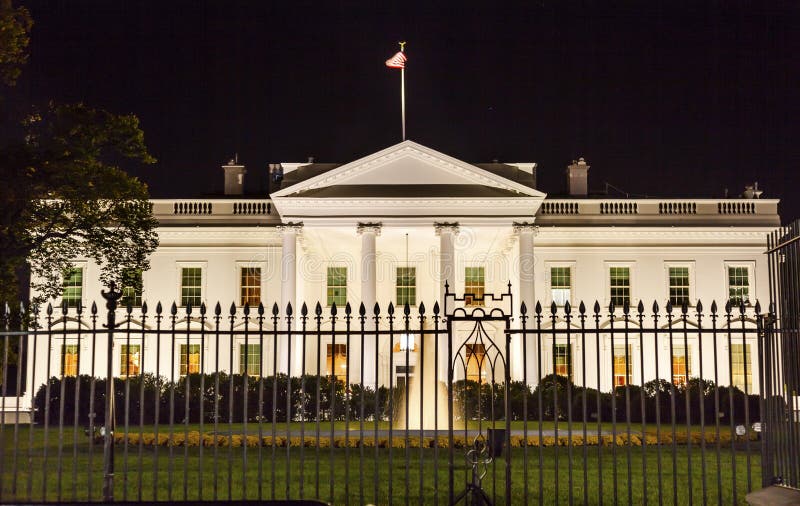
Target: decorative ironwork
<point>213,412</point>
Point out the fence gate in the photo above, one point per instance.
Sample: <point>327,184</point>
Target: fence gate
<point>781,357</point>
<point>478,348</point>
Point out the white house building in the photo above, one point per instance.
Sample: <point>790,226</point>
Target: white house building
<point>396,225</point>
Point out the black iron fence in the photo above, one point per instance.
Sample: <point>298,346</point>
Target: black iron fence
<point>781,360</point>
<point>466,402</point>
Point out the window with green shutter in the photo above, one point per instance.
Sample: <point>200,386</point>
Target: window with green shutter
<point>406,286</point>
<point>72,292</point>
<point>474,285</point>
<point>620,282</point>
<point>679,285</point>
<point>250,359</point>
<point>132,288</point>
<point>191,286</point>
<point>337,286</point>
<point>560,284</point>
<point>741,367</point>
<point>738,285</point>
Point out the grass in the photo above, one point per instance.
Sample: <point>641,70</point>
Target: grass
<point>181,473</point>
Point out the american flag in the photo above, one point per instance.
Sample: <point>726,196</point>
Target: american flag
<point>398,61</point>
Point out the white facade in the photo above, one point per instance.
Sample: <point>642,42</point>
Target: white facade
<point>410,206</point>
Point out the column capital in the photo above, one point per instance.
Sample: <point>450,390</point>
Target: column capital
<point>520,227</point>
<point>446,227</point>
<point>291,226</point>
<point>369,228</point>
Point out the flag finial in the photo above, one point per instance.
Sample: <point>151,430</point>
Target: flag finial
<point>402,45</point>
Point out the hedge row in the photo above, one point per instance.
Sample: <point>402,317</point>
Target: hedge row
<point>236,398</point>
<point>207,440</point>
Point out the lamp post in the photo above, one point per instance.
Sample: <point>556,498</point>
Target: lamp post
<point>112,296</point>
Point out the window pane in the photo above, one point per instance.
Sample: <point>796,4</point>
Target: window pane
<point>681,364</point>
<point>562,360</point>
<point>132,288</point>
<point>337,359</point>
<point>190,361</point>
<point>73,286</point>
<point>621,377</point>
<point>560,284</point>
<point>191,286</point>
<point>250,359</point>
<point>337,286</point>
<point>738,285</point>
<point>474,285</point>
<point>130,359</point>
<point>679,285</point>
<point>741,367</point>
<point>69,359</point>
<point>620,282</point>
<point>406,286</point>
<point>250,281</point>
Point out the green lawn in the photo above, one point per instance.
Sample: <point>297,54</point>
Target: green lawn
<point>345,472</point>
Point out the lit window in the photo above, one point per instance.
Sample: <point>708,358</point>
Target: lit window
<point>621,359</point>
<point>72,292</point>
<point>681,364</point>
<point>560,284</point>
<point>69,359</point>
<point>190,359</point>
<point>191,286</point>
<point>741,360</point>
<point>407,342</point>
<point>250,359</point>
<point>620,282</point>
<point>406,286</point>
<point>337,286</point>
<point>476,362</point>
<point>130,359</point>
<point>250,278</point>
<point>337,359</point>
<point>474,283</point>
<point>738,285</point>
<point>132,288</point>
<point>679,285</point>
<point>562,358</point>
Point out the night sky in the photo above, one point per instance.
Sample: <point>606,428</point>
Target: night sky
<point>662,98</point>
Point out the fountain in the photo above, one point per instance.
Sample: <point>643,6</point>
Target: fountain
<point>426,387</point>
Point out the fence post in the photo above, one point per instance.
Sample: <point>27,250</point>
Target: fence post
<point>112,296</point>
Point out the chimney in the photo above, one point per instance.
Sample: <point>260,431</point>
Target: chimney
<point>752,191</point>
<point>275,174</point>
<point>234,177</point>
<point>577,178</point>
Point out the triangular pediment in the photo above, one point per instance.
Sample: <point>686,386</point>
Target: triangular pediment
<point>406,165</point>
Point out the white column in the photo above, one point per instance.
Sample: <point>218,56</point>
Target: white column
<point>368,232</point>
<point>447,258</point>
<point>447,275</point>
<point>289,234</point>
<point>525,233</point>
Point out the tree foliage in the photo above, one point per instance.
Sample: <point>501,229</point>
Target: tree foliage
<point>66,196</point>
<point>15,25</point>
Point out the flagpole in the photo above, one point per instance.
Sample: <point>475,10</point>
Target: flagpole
<point>403,93</point>
<point>403,99</point>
